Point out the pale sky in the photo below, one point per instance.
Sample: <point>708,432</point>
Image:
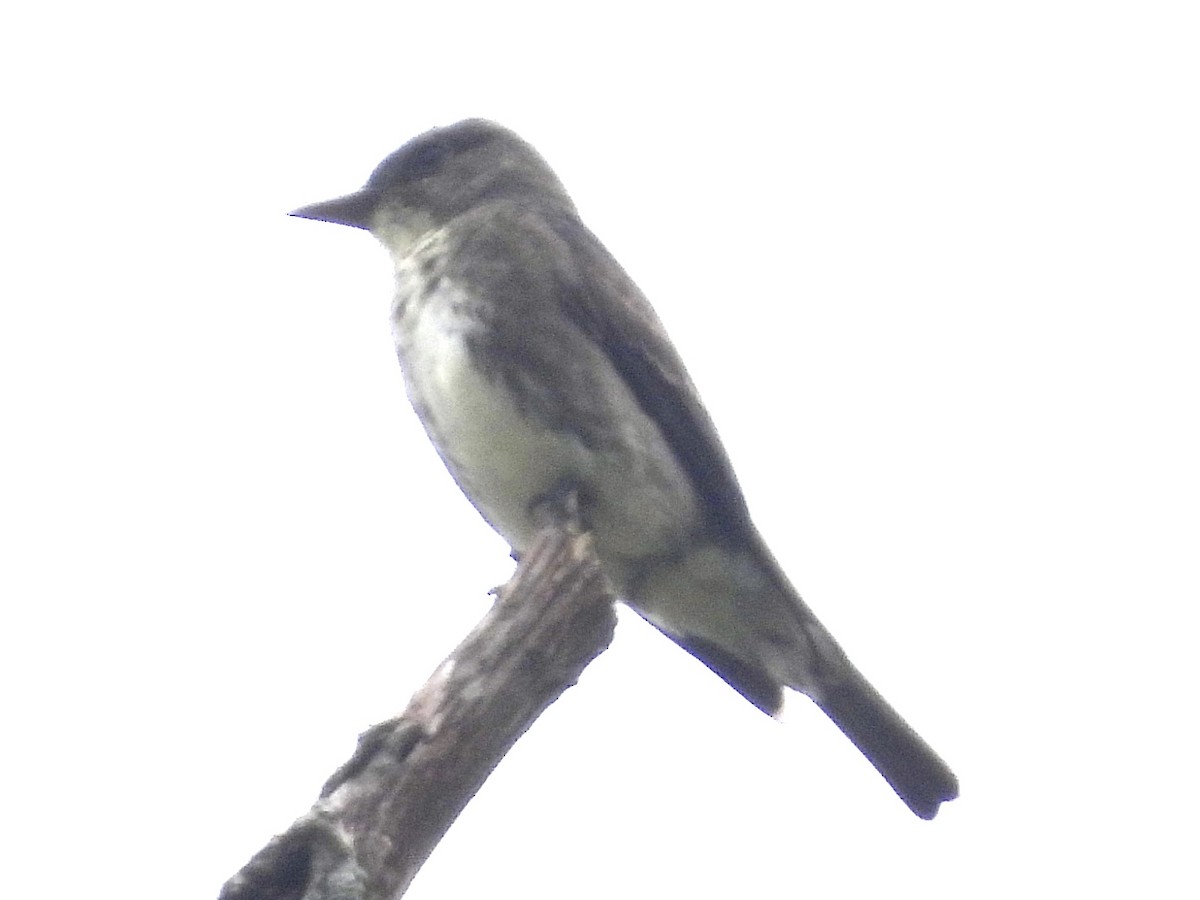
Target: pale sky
<point>935,269</point>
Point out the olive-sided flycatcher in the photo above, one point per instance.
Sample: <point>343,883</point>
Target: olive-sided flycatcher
<point>536,364</point>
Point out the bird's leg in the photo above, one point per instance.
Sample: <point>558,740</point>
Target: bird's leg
<point>559,506</point>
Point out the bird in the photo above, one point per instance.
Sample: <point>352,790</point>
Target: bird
<point>536,365</point>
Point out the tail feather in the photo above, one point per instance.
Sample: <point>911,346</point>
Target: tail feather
<point>907,763</point>
<point>733,609</point>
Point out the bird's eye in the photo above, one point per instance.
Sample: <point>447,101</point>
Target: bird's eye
<point>426,159</point>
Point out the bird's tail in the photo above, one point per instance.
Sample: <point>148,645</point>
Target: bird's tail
<point>735,611</point>
<point>908,764</point>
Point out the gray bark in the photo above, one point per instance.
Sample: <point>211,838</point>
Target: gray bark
<point>382,813</point>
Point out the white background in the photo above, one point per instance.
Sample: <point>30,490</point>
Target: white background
<point>934,267</point>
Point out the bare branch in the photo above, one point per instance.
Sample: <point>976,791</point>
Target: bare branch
<point>382,813</point>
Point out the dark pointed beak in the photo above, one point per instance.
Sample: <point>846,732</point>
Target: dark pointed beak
<point>353,210</point>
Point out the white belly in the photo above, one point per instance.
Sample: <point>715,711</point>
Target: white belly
<point>643,503</point>
<point>501,463</point>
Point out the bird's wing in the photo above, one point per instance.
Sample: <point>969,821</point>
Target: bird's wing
<point>546,272</point>
<point>554,274</point>
<point>602,300</point>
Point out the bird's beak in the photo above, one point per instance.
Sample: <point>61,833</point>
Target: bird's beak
<point>353,210</point>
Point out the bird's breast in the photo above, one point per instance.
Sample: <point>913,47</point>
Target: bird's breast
<point>505,455</point>
<point>501,463</point>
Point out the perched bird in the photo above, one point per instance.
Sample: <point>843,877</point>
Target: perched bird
<point>535,364</point>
